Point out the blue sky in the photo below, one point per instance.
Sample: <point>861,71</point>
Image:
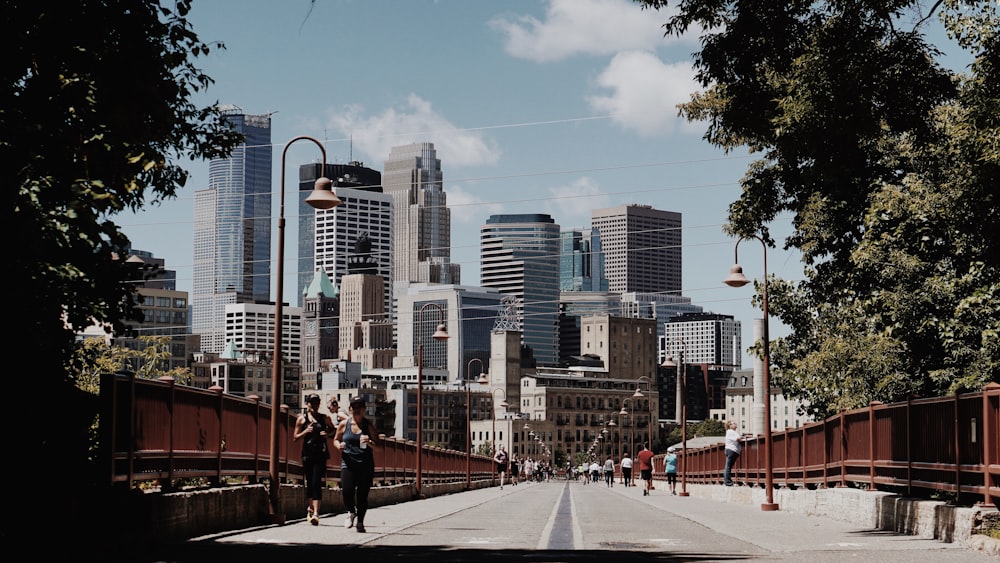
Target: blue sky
<point>557,106</point>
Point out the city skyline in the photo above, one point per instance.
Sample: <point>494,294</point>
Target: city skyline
<point>556,107</point>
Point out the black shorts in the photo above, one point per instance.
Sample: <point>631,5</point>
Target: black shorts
<point>672,478</point>
<point>646,474</point>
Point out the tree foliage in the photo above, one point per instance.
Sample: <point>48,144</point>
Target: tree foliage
<point>888,164</point>
<point>96,117</point>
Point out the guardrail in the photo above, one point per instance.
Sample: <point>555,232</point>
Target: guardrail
<point>160,434</point>
<point>948,444</point>
<point>158,431</point>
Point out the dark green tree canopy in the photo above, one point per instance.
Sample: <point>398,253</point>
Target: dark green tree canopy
<point>96,119</point>
<point>888,164</point>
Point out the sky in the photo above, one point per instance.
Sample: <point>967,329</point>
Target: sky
<point>534,106</point>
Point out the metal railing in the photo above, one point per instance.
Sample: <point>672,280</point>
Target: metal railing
<point>159,434</point>
<point>158,431</point>
<point>948,444</point>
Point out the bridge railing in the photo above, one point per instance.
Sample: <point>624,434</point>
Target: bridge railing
<point>159,434</point>
<point>949,444</point>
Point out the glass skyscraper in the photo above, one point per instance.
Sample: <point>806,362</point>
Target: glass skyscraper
<point>232,230</point>
<point>519,256</point>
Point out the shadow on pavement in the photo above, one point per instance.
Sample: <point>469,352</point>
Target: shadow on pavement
<point>191,552</point>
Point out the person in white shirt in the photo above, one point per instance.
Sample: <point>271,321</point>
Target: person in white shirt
<point>733,450</point>
<point>627,470</point>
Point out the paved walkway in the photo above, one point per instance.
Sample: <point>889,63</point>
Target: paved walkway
<point>569,521</point>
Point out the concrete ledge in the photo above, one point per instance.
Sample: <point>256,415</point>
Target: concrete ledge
<point>185,515</point>
<point>872,509</point>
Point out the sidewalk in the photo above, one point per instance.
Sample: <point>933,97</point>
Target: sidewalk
<point>844,518</point>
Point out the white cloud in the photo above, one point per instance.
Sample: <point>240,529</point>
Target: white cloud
<point>645,93</point>
<point>415,121</point>
<point>592,27</point>
<point>571,204</point>
<point>468,208</point>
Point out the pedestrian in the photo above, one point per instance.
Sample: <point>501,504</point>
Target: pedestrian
<point>355,439</point>
<point>609,472</point>
<point>671,469</point>
<point>515,469</point>
<point>627,470</point>
<point>645,458</point>
<point>336,415</point>
<point>733,450</point>
<point>314,429</point>
<point>502,462</point>
<point>595,471</point>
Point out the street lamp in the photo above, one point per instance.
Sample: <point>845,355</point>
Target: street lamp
<point>493,409</point>
<point>737,279</point>
<point>616,441</point>
<point>440,334</point>
<point>322,197</point>
<point>468,420</point>
<point>668,362</point>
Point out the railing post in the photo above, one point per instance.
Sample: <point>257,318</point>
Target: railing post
<point>991,417</point>
<point>826,456</point>
<point>843,449</point>
<point>958,452</point>
<point>871,442</point>
<point>909,448</point>
<point>256,437</point>
<point>170,409</point>
<point>221,441</point>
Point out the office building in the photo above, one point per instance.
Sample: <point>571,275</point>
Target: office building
<point>361,211</point>
<point>519,256</point>
<point>708,338</point>
<point>581,261</point>
<point>250,329</point>
<point>364,213</point>
<point>232,230</point>
<point>642,248</point>
<point>365,328</point>
<point>422,220</point>
<point>469,314</point>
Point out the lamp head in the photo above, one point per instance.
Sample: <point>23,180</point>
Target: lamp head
<point>736,277</point>
<point>441,333</point>
<point>668,362</point>
<point>623,412</point>
<point>322,196</point>
<point>483,380</point>
<point>638,394</point>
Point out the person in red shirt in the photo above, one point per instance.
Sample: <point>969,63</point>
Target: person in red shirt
<point>645,458</point>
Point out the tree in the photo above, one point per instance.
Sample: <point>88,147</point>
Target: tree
<point>888,164</point>
<point>96,115</point>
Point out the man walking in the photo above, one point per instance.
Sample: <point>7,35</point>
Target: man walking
<point>645,459</point>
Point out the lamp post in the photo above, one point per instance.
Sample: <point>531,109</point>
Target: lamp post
<point>468,422</point>
<point>493,410</point>
<point>737,279</point>
<point>616,441</point>
<point>440,334</point>
<point>322,197</point>
<point>668,362</point>
<point>524,447</point>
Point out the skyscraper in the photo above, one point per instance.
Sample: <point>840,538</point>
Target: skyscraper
<point>353,175</point>
<point>581,261</point>
<point>365,212</point>
<point>422,220</point>
<point>519,255</point>
<point>642,248</point>
<point>708,338</point>
<point>232,230</point>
